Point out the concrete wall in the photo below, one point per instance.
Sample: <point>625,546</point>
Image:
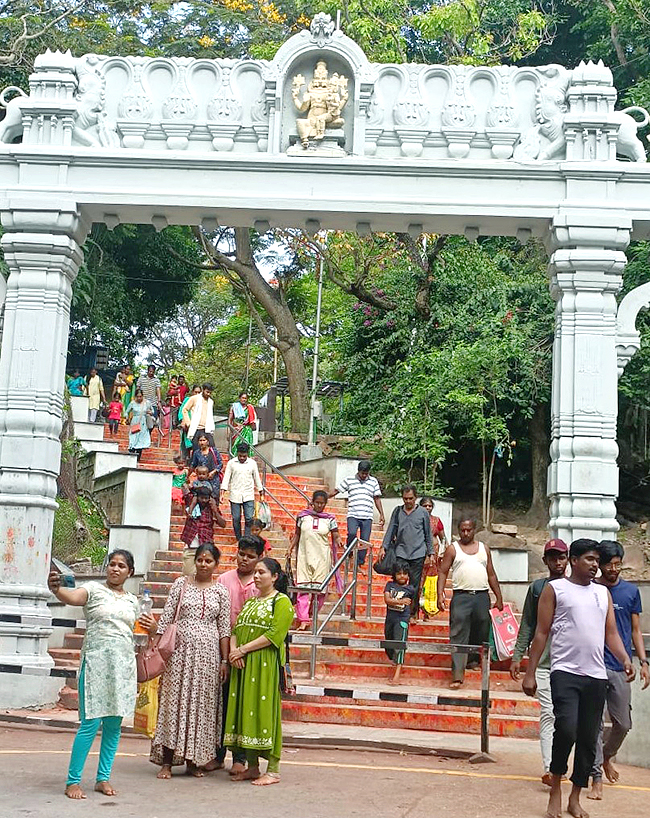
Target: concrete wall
<point>96,464</point>
<point>511,565</point>
<point>89,431</point>
<point>109,493</point>
<point>141,541</point>
<point>137,497</point>
<point>148,501</point>
<point>99,446</point>
<point>79,407</point>
<point>278,452</point>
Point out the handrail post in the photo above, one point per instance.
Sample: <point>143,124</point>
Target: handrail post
<point>484,756</point>
<point>369,591</point>
<point>485,698</point>
<point>355,575</point>
<point>314,620</point>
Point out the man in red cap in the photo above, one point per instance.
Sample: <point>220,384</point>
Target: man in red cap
<point>556,559</point>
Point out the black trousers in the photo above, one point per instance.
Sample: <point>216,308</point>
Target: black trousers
<point>578,703</point>
<point>469,624</point>
<point>415,578</point>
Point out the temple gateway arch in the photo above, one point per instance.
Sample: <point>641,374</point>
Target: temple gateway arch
<point>316,138</point>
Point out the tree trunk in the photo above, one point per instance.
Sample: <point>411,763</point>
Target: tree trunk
<point>538,428</point>
<point>274,303</point>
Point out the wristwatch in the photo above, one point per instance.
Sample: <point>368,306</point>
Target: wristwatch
<point>644,662</point>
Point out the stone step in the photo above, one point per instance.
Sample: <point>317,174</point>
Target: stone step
<point>400,718</point>
<point>502,704</point>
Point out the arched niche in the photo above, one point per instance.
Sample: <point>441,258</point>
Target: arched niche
<point>299,55</point>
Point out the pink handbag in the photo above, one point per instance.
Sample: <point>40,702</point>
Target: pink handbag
<point>152,658</point>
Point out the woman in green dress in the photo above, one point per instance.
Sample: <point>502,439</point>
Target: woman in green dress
<point>257,650</point>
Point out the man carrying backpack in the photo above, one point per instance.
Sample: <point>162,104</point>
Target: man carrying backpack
<point>556,559</point>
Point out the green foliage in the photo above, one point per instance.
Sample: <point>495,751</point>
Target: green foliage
<point>129,282</point>
<point>79,532</point>
<point>470,374</point>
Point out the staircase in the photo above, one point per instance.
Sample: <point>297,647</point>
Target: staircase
<point>361,671</point>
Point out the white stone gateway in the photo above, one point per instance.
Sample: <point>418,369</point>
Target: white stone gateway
<point>316,138</point>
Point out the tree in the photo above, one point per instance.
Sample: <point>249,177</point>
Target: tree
<point>128,283</point>
<point>239,261</point>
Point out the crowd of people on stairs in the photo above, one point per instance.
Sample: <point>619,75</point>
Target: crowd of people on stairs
<point>221,688</point>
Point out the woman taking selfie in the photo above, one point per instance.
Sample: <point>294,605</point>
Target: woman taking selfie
<point>107,676</point>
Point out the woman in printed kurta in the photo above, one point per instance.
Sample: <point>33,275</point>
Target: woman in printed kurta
<point>189,715</point>
<point>257,650</point>
<point>107,677</point>
<point>137,413</point>
<point>316,537</point>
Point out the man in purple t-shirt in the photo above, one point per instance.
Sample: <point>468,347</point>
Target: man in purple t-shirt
<point>626,601</point>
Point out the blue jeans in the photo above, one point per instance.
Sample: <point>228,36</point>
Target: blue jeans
<point>249,512</point>
<point>364,527</point>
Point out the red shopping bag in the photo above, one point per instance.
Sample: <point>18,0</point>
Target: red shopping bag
<point>505,628</point>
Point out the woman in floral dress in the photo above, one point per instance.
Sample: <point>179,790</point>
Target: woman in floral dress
<point>257,651</point>
<point>189,715</point>
<point>107,676</point>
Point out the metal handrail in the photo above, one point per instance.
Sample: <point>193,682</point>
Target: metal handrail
<point>280,503</point>
<point>316,590</point>
<point>275,470</point>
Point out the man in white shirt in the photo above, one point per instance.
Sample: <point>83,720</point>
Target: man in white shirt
<point>363,491</point>
<point>198,417</point>
<point>241,479</point>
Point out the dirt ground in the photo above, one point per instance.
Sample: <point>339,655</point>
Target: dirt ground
<point>317,783</point>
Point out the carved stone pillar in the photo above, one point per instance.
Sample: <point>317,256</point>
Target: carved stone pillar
<point>586,264</point>
<point>42,251</point>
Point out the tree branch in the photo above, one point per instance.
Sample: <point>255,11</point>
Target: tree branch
<point>11,57</point>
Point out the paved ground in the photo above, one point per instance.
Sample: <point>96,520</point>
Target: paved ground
<point>319,783</point>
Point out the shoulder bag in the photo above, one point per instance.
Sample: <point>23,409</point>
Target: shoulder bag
<point>152,658</point>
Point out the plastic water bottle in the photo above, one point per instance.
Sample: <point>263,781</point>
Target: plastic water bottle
<point>140,634</point>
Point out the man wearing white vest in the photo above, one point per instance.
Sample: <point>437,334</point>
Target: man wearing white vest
<point>198,416</point>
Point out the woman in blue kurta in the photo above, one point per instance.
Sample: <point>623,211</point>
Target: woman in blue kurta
<point>136,414</point>
<point>257,651</point>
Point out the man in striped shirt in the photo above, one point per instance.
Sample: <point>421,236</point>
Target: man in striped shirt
<point>363,494</point>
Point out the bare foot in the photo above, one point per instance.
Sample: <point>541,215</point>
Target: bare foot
<point>213,765</point>
<point>455,685</point>
<point>610,771</point>
<point>193,770</point>
<point>554,808</point>
<point>75,792</point>
<point>596,791</point>
<point>247,775</point>
<point>574,808</point>
<point>394,682</point>
<point>473,665</point>
<point>165,772</point>
<point>304,626</point>
<point>266,779</point>
<point>237,768</point>
<point>105,787</point>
